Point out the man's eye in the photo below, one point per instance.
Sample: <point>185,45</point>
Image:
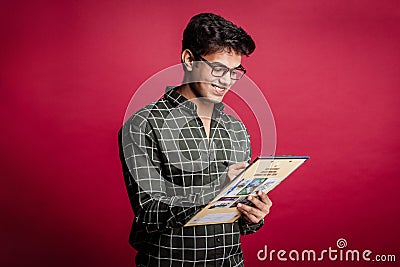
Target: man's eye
<point>219,68</point>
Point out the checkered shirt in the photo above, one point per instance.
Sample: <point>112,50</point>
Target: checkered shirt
<point>172,170</point>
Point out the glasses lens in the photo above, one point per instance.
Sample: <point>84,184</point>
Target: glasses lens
<point>236,74</point>
<point>219,71</point>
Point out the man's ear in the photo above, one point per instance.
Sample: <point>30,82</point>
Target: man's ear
<point>187,59</point>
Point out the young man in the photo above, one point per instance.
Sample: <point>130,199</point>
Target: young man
<point>175,154</point>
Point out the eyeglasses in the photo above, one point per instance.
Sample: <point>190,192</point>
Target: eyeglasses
<point>219,69</point>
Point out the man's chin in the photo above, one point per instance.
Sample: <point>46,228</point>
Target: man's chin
<point>211,99</point>
<point>215,99</point>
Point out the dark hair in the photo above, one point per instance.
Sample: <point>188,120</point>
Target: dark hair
<point>208,33</point>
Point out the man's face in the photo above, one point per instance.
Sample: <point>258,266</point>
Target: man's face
<point>208,86</point>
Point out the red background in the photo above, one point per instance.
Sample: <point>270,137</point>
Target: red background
<point>329,69</point>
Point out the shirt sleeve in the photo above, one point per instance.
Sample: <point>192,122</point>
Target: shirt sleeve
<point>154,208</point>
<point>245,226</point>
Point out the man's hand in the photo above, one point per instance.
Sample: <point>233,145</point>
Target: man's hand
<point>261,209</point>
<point>233,171</point>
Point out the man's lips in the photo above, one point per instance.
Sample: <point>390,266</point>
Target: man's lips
<point>219,89</point>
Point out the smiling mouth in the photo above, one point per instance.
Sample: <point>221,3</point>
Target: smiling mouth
<point>219,89</point>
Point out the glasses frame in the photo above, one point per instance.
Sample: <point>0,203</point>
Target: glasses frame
<point>211,64</point>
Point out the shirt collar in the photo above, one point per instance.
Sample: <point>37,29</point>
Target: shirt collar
<point>176,99</point>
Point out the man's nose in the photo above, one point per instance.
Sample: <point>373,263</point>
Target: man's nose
<point>226,79</point>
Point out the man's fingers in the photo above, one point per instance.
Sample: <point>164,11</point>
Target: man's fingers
<point>251,218</point>
<point>264,198</point>
<point>239,165</point>
<point>259,204</point>
<point>261,209</point>
<point>250,211</point>
<point>235,169</point>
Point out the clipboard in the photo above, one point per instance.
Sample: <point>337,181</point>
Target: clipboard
<point>264,173</point>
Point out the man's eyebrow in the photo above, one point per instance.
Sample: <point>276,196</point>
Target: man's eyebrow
<point>223,65</point>
<point>219,63</point>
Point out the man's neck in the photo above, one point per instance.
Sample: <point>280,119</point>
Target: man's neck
<point>204,107</point>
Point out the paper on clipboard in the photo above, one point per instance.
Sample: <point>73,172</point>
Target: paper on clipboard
<point>264,174</point>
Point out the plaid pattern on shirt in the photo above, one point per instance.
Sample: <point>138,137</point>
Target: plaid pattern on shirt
<point>172,170</point>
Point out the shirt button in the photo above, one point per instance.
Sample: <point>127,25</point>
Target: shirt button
<point>218,239</point>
